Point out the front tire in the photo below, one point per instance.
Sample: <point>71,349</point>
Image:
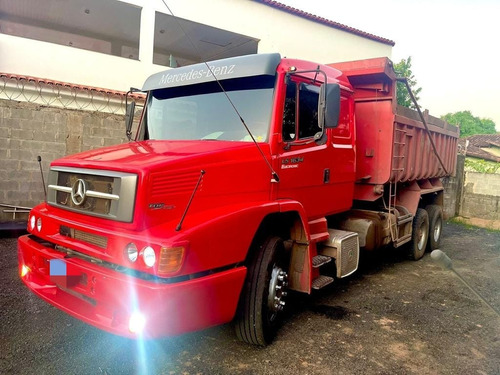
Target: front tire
<point>263,296</point>
<point>435,213</point>
<point>420,234</point>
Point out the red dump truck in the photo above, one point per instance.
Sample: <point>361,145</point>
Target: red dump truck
<point>236,191</point>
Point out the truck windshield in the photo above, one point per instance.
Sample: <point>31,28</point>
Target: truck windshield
<point>202,111</point>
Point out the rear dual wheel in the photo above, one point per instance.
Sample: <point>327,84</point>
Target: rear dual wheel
<point>426,230</point>
<point>435,213</point>
<point>420,234</point>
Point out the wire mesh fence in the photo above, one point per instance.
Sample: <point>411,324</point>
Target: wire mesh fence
<point>63,95</point>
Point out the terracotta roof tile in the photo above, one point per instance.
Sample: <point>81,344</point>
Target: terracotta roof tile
<point>478,142</point>
<point>484,140</point>
<point>324,21</point>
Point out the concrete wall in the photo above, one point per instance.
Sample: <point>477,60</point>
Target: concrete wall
<point>453,190</point>
<point>28,130</point>
<point>481,196</point>
<point>472,195</point>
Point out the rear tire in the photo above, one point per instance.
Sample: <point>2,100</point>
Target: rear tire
<point>420,234</point>
<point>435,213</point>
<point>262,300</point>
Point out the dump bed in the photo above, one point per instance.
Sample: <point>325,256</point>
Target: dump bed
<point>391,141</point>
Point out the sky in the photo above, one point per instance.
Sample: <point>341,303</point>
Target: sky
<point>454,46</point>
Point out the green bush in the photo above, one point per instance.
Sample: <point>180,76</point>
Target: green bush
<point>481,166</point>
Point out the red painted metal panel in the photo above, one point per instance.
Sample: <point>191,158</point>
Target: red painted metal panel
<point>108,298</point>
<point>374,133</point>
<point>392,142</point>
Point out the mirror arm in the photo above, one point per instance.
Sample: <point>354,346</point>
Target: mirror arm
<point>129,113</point>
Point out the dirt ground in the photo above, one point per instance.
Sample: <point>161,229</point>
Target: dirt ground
<point>394,316</point>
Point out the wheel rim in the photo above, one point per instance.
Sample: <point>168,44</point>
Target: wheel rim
<point>422,234</point>
<point>437,230</point>
<point>277,292</point>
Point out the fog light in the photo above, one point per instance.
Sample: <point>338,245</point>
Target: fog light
<point>39,224</point>
<point>32,222</point>
<point>149,256</point>
<point>136,322</point>
<point>131,252</point>
<point>24,270</point>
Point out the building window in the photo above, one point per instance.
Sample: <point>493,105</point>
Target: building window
<point>180,42</point>
<point>106,26</point>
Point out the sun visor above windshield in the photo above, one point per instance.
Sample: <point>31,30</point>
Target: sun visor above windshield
<point>236,67</point>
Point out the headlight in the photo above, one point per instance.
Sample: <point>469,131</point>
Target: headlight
<point>39,224</point>
<point>131,252</point>
<point>32,222</point>
<point>149,256</point>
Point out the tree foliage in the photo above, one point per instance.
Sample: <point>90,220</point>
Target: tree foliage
<point>403,69</point>
<point>469,124</point>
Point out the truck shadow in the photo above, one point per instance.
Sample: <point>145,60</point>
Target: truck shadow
<point>162,352</point>
<point>371,263</point>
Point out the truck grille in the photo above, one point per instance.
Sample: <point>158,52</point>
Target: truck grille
<point>93,239</point>
<point>106,194</point>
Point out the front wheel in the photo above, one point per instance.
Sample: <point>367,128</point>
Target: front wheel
<point>420,234</point>
<point>263,296</point>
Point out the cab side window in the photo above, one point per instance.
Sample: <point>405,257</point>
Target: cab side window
<point>289,113</point>
<point>301,99</point>
<point>308,111</point>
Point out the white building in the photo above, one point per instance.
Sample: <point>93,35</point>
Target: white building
<point>116,44</point>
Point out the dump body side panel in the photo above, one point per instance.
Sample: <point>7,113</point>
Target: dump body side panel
<point>414,158</point>
<point>392,142</point>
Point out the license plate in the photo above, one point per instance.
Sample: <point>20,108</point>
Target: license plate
<point>63,274</point>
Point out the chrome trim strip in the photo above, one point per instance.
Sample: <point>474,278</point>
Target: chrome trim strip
<point>339,145</point>
<point>89,193</point>
<point>64,189</point>
<point>91,172</point>
<point>98,194</point>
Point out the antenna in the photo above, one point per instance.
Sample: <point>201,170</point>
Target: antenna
<point>275,177</point>
<point>39,159</point>
<point>179,226</point>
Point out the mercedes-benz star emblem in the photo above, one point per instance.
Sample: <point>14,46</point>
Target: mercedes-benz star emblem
<point>78,192</point>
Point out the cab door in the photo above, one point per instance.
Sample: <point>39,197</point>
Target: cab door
<point>307,163</point>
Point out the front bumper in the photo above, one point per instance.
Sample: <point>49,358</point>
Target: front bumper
<point>106,298</point>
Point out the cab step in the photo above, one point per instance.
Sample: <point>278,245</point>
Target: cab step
<point>319,260</point>
<point>321,281</point>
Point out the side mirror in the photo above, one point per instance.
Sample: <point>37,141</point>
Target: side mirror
<point>329,111</point>
<point>129,119</point>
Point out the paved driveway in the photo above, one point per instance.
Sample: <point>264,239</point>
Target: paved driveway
<point>395,316</point>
